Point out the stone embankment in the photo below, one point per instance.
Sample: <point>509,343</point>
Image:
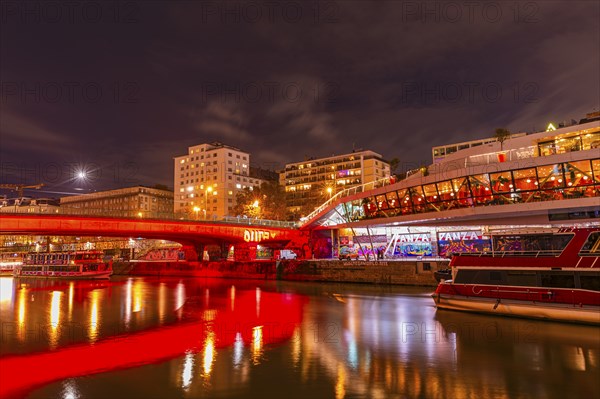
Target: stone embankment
<point>418,272</point>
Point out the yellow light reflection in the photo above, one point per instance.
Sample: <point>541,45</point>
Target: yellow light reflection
<point>55,309</point>
<point>296,346</point>
<point>232,297</point>
<point>71,294</point>
<point>340,385</point>
<point>54,317</point>
<point>209,353</point>
<point>137,297</point>
<point>93,327</point>
<point>22,301</point>
<point>162,305</point>
<point>257,343</point>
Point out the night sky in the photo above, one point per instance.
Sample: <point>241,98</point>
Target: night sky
<point>123,87</point>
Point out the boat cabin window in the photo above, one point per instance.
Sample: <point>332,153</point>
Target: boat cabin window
<point>558,280</point>
<point>592,245</point>
<point>521,278</point>
<point>529,278</point>
<point>548,244</point>
<point>589,281</point>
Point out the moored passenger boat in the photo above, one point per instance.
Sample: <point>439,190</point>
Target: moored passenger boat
<point>65,265</point>
<point>554,276</point>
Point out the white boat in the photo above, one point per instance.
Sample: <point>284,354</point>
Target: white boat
<point>64,265</point>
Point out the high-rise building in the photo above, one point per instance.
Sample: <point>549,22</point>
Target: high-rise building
<point>207,179</point>
<point>311,182</point>
<point>136,201</point>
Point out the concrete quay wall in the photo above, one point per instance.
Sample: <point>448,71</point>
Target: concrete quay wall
<point>418,272</point>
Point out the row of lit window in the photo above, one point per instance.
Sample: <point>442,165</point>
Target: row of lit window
<point>558,181</point>
<point>214,155</point>
<point>214,163</point>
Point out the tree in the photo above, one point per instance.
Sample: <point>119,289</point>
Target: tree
<point>264,202</point>
<point>501,135</point>
<point>394,163</point>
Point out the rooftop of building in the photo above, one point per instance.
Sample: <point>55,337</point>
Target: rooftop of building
<point>158,189</point>
<point>336,158</point>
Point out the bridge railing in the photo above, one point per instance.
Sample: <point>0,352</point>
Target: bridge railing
<point>103,213</point>
<point>258,222</point>
<point>386,181</point>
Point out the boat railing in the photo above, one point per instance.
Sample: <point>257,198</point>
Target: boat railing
<point>504,254</point>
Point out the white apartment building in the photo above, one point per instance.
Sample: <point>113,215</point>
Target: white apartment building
<point>207,179</point>
<point>310,183</point>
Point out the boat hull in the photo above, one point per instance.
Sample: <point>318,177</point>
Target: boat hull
<point>66,275</point>
<point>587,314</point>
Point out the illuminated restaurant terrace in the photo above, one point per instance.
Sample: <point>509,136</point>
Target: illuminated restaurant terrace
<point>554,174</point>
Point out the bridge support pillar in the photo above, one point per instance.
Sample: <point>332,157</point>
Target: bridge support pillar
<point>200,251</point>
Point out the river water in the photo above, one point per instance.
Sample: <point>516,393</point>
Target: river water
<point>218,338</point>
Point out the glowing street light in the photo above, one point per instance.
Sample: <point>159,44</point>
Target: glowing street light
<point>329,190</point>
<point>196,210</point>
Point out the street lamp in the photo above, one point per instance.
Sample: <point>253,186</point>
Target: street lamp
<point>329,190</point>
<point>196,210</point>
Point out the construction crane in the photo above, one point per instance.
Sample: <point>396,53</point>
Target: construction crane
<point>20,187</point>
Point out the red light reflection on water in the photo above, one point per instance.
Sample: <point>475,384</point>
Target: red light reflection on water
<point>275,315</point>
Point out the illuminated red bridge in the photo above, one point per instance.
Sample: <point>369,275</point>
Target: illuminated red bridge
<point>192,233</point>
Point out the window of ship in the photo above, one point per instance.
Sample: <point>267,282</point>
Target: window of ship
<point>596,170</point>
<point>392,199</point>
<point>592,245</point>
<point>591,141</point>
<point>480,186</point>
<point>547,148</point>
<point>381,202</point>
<point>521,278</point>
<point>463,194</point>
<point>550,177</point>
<point>490,277</point>
<point>501,182</point>
<point>431,194</point>
<point>558,279</point>
<point>532,244</point>
<point>589,281</point>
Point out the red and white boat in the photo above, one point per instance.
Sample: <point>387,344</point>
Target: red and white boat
<point>65,265</point>
<point>553,276</point>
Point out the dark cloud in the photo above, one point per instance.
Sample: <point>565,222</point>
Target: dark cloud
<point>133,88</point>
